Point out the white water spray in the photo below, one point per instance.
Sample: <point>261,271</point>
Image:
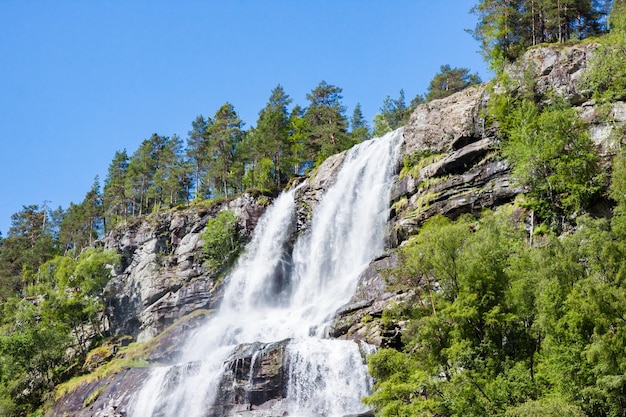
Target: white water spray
<point>273,295</point>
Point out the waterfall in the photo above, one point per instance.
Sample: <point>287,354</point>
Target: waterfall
<point>280,291</point>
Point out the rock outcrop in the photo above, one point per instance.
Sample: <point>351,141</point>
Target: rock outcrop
<point>554,69</point>
<point>162,277</point>
<point>309,193</point>
<point>462,176</point>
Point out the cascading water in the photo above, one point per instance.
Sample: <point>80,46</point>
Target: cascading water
<point>275,293</point>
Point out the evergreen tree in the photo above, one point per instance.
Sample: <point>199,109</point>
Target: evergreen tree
<point>172,176</point>
<point>140,174</point>
<point>271,140</point>
<point>198,153</point>
<point>29,243</point>
<point>506,28</point>
<point>395,112</point>
<point>326,121</point>
<point>115,198</point>
<point>224,135</point>
<point>359,130</point>
<point>300,154</point>
<point>417,100</point>
<point>82,223</point>
<point>449,81</point>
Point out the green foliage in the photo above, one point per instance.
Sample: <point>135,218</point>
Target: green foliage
<point>29,243</point>
<point>545,407</point>
<point>552,156</point>
<point>381,126</point>
<point>359,129</point>
<point>606,74</point>
<point>449,81</point>
<point>505,29</point>
<point>222,241</point>
<point>496,326</point>
<point>223,137</point>
<point>395,112</point>
<point>82,223</point>
<point>412,164</point>
<point>326,121</point>
<point>156,176</point>
<point>51,327</point>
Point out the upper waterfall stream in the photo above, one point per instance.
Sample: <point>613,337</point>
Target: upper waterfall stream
<point>283,291</point>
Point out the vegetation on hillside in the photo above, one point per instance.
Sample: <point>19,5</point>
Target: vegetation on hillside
<point>509,320</point>
<point>505,29</point>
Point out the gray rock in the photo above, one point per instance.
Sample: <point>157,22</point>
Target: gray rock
<point>162,276</point>
<point>308,195</point>
<point>554,69</point>
<point>447,124</point>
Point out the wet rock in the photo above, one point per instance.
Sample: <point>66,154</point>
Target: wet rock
<point>308,195</point>
<point>255,381</point>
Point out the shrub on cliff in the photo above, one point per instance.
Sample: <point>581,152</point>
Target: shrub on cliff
<point>222,241</point>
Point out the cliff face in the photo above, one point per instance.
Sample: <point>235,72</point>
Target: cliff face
<point>162,278</point>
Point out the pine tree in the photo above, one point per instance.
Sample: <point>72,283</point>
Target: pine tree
<point>115,198</point>
<point>82,223</point>
<point>29,243</point>
<point>198,153</point>
<point>449,81</point>
<point>300,154</point>
<point>224,135</point>
<point>326,121</point>
<point>172,174</point>
<point>506,28</point>
<point>359,130</point>
<point>271,138</point>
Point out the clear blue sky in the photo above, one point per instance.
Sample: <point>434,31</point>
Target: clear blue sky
<point>82,79</point>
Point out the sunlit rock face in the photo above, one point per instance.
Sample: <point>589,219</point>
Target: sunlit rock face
<point>465,173</point>
<point>162,277</point>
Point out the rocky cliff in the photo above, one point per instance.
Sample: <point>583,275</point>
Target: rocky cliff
<point>162,277</point>
<point>450,165</point>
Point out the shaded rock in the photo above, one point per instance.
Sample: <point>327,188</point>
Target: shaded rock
<point>360,319</point>
<point>255,381</point>
<point>458,161</point>
<point>106,397</point>
<point>485,185</point>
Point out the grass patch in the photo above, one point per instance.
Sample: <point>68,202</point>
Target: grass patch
<point>418,160</point>
<point>93,397</point>
<point>423,203</point>
<point>132,356</point>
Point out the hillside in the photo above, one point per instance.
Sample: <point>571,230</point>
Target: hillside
<point>487,302</point>
<point>497,291</point>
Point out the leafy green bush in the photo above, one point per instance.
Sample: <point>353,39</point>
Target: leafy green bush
<point>552,156</point>
<point>496,326</point>
<point>47,332</point>
<point>222,241</point>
